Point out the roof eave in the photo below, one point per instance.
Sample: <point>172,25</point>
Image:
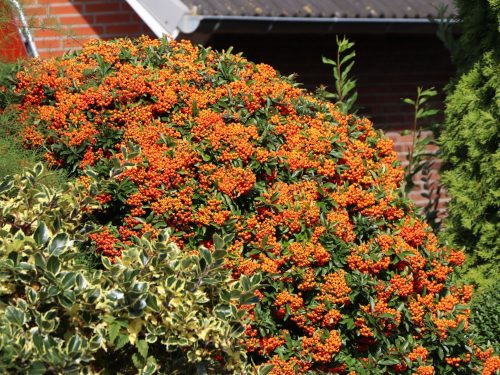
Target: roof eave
<point>166,17</point>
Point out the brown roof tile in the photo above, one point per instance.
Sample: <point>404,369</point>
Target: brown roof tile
<point>320,8</point>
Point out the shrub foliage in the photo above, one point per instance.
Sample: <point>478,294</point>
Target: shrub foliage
<point>155,308</point>
<point>485,316</point>
<point>469,145</point>
<point>208,143</point>
<point>479,22</point>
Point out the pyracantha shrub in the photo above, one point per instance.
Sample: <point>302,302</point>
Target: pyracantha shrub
<point>205,142</point>
<point>156,309</point>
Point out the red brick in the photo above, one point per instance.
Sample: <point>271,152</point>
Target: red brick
<point>126,7</point>
<point>103,7</point>
<point>75,20</point>
<point>53,2</point>
<point>134,17</point>
<point>65,9</point>
<point>87,30</point>
<point>49,43</point>
<point>112,18</point>
<point>35,11</point>
<point>124,30</point>
<point>54,32</point>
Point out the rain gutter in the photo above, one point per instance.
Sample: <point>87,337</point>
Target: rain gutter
<point>264,24</point>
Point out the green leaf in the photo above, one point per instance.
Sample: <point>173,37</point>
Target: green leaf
<point>152,303</point>
<point>53,265</point>
<point>245,283</point>
<point>68,280</point>
<point>38,343</point>
<point>206,256</point>
<point>122,341</point>
<point>248,299</point>
<point>265,369</point>
<point>95,342</point>
<point>15,315</point>
<point>440,353</point>
<point>113,331</point>
<point>143,347</point>
<point>195,108</point>
<point>218,242</point>
<point>138,362</point>
<point>41,234</point>
<point>150,367</point>
<point>6,185</point>
<point>40,261</point>
<point>348,57</point>
<point>346,70</point>
<point>388,362</point>
<point>328,61</point>
<point>58,244</point>
<point>66,299</point>
<point>74,344</point>
<point>37,368</point>
<point>31,295</point>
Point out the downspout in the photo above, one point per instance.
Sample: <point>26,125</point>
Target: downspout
<point>25,30</point>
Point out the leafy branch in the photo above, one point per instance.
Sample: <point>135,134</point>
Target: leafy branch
<point>345,94</point>
<point>420,160</point>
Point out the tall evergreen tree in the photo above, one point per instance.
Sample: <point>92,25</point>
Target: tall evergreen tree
<point>479,22</point>
<point>471,156</point>
<point>469,145</point>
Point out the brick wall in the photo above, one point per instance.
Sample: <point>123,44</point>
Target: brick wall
<point>427,188</point>
<point>60,25</point>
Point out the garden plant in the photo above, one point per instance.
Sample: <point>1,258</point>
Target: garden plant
<point>308,199</point>
<point>469,144</point>
<point>154,308</point>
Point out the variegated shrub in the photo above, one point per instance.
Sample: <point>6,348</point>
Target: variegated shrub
<point>154,309</point>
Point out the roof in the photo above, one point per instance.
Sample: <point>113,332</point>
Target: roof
<point>206,17</point>
<point>319,8</point>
